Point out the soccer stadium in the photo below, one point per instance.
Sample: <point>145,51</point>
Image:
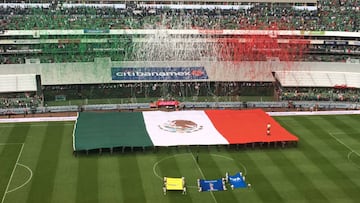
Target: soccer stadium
<point>179,101</point>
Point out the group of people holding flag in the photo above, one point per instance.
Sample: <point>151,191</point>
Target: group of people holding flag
<point>235,181</point>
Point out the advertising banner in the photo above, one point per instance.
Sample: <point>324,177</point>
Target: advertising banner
<point>159,73</point>
<point>237,181</point>
<point>92,31</point>
<point>211,185</point>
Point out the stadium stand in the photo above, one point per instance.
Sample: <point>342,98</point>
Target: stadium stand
<point>319,16</point>
<point>19,100</point>
<point>325,17</point>
<point>73,46</point>
<point>18,91</point>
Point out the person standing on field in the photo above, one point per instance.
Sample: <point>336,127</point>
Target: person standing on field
<point>268,128</point>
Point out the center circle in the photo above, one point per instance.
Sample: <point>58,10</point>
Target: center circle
<point>157,164</point>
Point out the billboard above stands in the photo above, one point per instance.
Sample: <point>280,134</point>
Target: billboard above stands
<point>159,73</point>
<point>96,31</point>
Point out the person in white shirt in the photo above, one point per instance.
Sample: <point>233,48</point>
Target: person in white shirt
<point>268,127</point>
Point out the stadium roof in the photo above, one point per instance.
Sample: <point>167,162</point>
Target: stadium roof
<point>318,79</point>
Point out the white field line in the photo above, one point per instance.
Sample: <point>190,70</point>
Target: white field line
<point>37,119</point>
<point>337,139</point>
<point>158,162</point>
<point>228,158</point>
<point>190,186</point>
<point>349,148</point>
<point>202,174</point>
<point>348,157</point>
<point>309,113</point>
<point>12,173</point>
<point>26,182</point>
<point>73,135</point>
<point>163,159</point>
<point>33,125</point>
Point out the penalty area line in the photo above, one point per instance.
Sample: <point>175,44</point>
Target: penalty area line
<point>26,182</point>
<point>341,142</point>
<point>12,174</point>
<point>348,157</point>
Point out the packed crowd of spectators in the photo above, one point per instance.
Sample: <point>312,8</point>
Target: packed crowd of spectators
<point>178,90</point>
<point>320,94</point>
<point>19,100</point>
<point>331,15</point>
<point>126,52</point>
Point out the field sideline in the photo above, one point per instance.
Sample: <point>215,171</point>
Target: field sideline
<point>37,165</point>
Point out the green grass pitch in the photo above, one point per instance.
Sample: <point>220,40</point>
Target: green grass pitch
<point>37,166</point>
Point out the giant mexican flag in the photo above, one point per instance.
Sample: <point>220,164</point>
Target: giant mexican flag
<point>158,128</point>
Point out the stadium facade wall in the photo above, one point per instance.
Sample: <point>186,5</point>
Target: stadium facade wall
<point>100,70</point>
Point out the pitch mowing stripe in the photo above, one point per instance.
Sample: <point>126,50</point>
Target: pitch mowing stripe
<point>346,130</point>
<point>277,176</point>
<point>17,135</point>
<point>29,157</point>
<point>190,169</point>
<point>44,173</point>
<point>353,121</point>
<point>132,188</point>
<point>65,183</point>
<point>5,132</point>
<point>212,171</point>
<point>176,163</point>
<point>152,184</point>
<point>261,184</point>
<point>226,163</point>
<point>8,158</point>
<point>346,135</point>
<point>202,175</point>
<point>208,165</point>
<point>274,172</point>
<point>164,165</point>
<point>323,142</point>
<point>109,185</point>
<point>87,179</point>
<point>167,165</point>
<point>332,141</point>
<point>299,178</point>
<point>231,162</point>
<point>345,124</point>
<point>325,163</point>
<point>314,173</point>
